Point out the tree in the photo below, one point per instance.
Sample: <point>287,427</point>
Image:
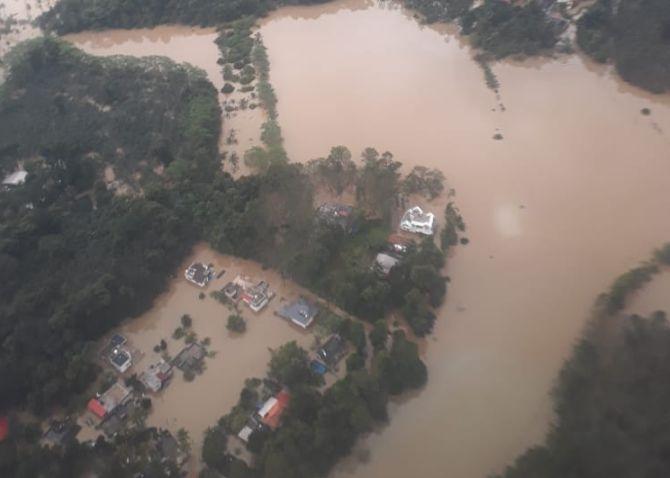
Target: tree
<point>236,323</point>
<point>214,448</point>
<point>289,365</point>
<point>186,321</point>
<point>379,335</point>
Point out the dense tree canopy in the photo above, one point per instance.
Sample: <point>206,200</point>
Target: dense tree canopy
<point>69,16</point>
<point>635,35</point>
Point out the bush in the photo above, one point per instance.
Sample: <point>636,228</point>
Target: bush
<point>236,323</point>
<point>227,89</point>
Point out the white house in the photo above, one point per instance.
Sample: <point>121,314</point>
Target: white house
<point>417,221</point>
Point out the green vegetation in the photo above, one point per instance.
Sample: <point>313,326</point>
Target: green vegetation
<point>131,453</point>
<point>453,225</point>
<point>318,427</point>
<point>97,111</point>
<point>70,16</point>
<point>502,29</point>
<point>426,182</point>
<point>440,10</point>
<point>610,398</point>
<point>634,35</point>
<point>289,365</point>
<point>236,323</point>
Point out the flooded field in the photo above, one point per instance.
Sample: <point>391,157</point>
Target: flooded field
<point>574,194</point>
<point>184,45</point>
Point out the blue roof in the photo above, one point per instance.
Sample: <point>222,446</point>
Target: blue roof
<point>120,357</point>
<point>300,311</point>
<point>318,367</point>
<point>117,339</point>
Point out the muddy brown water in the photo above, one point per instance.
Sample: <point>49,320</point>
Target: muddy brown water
<point>575,193</point>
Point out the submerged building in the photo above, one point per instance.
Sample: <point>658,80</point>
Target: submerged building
<point>417,221</point>
<point>199,274</point>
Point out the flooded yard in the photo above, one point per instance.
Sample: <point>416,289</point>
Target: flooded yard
<point>198,404</point>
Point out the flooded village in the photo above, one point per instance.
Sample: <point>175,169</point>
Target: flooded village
<point>543,203</point>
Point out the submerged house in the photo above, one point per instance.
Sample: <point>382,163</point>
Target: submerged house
<point>384,263</point>
<point>120,359</point>
<point>199,274</point>
<point>105,405</point>
<point>273,409</point>
<point>157,376</point>
<point>15,179</point>
<point>61,432</point>
<point>417,221</point>
<point>301,312</point>
<point>398,244</point>
<point>339,215</point>
<point>255,296</point>
<point>333,350</point>
<point>190,357</point>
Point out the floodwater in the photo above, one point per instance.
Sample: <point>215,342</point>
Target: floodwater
<point>198,405</point>
<point>574,194</point>
<point>182,44</point>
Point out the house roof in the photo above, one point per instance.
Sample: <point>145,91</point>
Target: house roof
<point>15,178</point>
<point>333,349</point>
<point>274,414</point>
<point>198,273</point>
<point>386,262</point>
<point>4,427</point>
<point>301,312</point>
<point>97,408</point>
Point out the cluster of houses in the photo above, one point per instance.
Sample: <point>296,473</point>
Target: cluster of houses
<point>109,409</point>
<point>255,295</point>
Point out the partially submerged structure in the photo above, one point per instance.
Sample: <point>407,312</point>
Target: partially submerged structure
<point>255,295</point>
<point>199,274</point>
<point>190,357</point>
<point>333,350</point>
<point>272,410</point>
<point>120,359</point>
<point>300,312</point>
<point>61,432</point>
<point>339,215</point>
<point>157,376</point>
<point>107,403</point>
<point>417,221</point>
<point>398,244</point>
<point>15,179</point>
<point>384,263</point>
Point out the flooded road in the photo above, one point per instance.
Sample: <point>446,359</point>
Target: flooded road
<point>575,193</point>
<point>182,44</point>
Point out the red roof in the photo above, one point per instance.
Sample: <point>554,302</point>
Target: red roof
<point>96,407</point>
<point>4,427</point>
<point>275,413</point>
